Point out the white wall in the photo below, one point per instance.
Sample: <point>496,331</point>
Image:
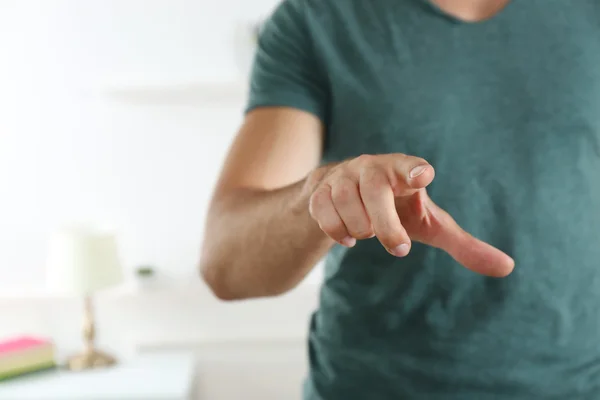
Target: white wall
<point>75,144</point>
<point>69,151</point>
<point>79,141</point>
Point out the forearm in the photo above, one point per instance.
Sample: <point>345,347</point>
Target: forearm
<point>261,243</point>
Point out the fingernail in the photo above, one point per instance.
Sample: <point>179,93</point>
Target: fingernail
<point>348,241</point>
<point>401,251</point>
<point>416,171</point>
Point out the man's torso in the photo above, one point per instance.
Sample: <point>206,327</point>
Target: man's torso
<point>508,113</point>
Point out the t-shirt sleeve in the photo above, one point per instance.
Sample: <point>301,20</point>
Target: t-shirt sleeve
<point>285,71</point>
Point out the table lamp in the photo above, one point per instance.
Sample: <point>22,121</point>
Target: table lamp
<point>82,261</point>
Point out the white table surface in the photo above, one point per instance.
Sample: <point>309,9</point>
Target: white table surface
<point>161,376</point>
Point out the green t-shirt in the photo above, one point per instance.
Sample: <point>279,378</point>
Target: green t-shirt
<point>508,112</point>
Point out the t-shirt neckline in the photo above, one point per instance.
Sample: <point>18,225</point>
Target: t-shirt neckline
<point>499,15</point>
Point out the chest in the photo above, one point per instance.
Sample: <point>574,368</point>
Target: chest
<point>418,83</point>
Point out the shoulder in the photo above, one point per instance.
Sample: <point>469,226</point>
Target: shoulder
<point>317,10</point>
<point>321,18</point>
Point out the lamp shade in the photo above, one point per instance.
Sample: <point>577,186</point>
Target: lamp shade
<point>82,261</point>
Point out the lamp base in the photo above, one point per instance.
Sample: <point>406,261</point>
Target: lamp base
<point>89,360</point>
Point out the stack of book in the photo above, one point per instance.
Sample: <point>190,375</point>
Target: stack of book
<point>23,355</point>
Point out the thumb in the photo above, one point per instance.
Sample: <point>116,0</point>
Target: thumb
<point>407,174</point>
<point>467,250</point>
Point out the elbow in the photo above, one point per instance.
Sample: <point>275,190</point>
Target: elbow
<point>218,278</point>
<point>214,277</point>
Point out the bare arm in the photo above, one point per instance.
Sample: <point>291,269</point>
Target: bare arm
<point>275,213</point>
<point>260,239</point>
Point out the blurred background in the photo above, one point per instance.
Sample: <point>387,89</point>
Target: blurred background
<point>118,113</point>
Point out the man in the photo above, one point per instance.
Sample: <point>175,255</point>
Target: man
<point>352,105</point>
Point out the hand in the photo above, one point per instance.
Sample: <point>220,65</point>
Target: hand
<point>385,196</point>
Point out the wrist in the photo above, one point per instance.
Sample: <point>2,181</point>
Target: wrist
<point>306,188</point>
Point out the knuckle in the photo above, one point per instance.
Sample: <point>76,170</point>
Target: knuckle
<point>343,192</point>
<point>373,173</point>
<point>335,230</point>
<point>318,200</point>
<point>363,160</point>
<point>373,181</point>
<point>321,196</point>
<point>336,175</point>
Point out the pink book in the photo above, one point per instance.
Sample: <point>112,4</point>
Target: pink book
<point>25,354</point>
<point>21,344</point>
